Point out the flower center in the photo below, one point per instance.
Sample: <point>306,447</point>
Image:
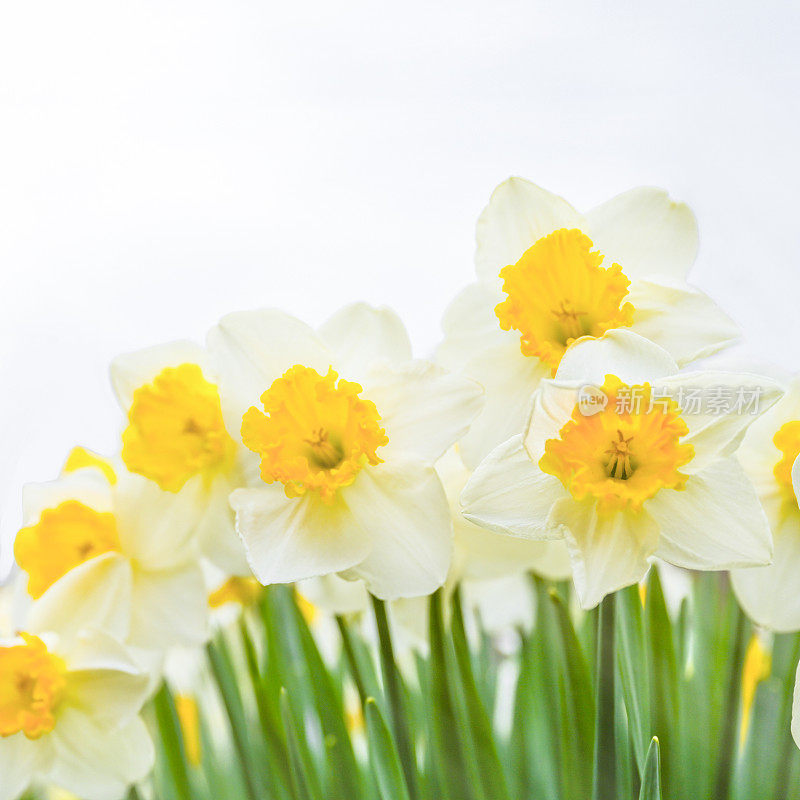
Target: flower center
<point>558,292</point>
<point>315,433</point>
<point>64,537</point>
<point>32,681</point>
<point>624,454</point>
<point>176,429</point>
<point>787,440</point>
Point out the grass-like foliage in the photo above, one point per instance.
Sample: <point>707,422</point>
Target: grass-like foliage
<point>626,701</point>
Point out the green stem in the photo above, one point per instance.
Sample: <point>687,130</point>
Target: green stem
<point>349,651</point>
<point>605,755</point>
<point>394,691</point>
<point>172,742</point>
<point>221,673</point>
<point>727,744</point>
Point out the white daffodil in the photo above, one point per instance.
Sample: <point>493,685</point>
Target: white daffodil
<point>110,550</point>
<point>176,436</point>
<point>625,459</point>
<point>549,275</point>
<point>346,478</point>
<point>771,595</point>
<point>69,716</point>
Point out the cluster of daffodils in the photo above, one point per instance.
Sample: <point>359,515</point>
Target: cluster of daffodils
<point>558,430</point>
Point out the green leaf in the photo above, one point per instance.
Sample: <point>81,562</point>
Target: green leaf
<point>605,753</point>
<point>579,707</point>
<point>383,755</point>
<point>483,738</point>
<point>632,661</point>
<point>299,778</point>
<point>172,743</point>
<point>225,676</point>
<point>651,777</point>
<point>663,672</point>
<point>344,771</point>
<point>393,686</point>
<point>458,776</point>
<point>268,714</point>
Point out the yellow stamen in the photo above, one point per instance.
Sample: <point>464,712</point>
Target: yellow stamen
<point>316,434</point>
<point>176,429</point>
<point>32,682</point>
<point>65,537</point>
<point>624,454</point>
<point>558,292</point>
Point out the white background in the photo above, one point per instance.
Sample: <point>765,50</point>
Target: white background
<point>165,162</point>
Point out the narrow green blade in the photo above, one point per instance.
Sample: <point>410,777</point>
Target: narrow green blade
<point>383,755</point>
<point>651,778</point>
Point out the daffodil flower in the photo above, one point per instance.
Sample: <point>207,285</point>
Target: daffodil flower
<point>69,716</point>
<point>344,428</point>
<point>612,463</point>
<point>176,436</point>
<point>768,451</point>
<point>119,556</point>
<point>549,275</point>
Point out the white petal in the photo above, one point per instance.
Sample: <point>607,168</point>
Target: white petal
<point>87,486</point>
<point>358,335</point>
<point>250,349</point>
<point>132,370</point>
<point>621,352</point>
<point>553,405</point>
<point>404,505</point>
<point>97,763</point>
<point>645,232</point>
<point>518,214</point>
<point>796,708</point>
<point>104,680</point>
<point>509,494</point>
<point>288,539</point>
<point>157,528</point>
<point>715,430</point>
<point>95,594</point>
<point>796,477</point>
<point>19,762</point>
<point>769,594</point>
<point>216,530</point>
<point>687,323</point>
<point>608,551</point>
<point>469,325</point>
<point>509,380</point>
<point>169,607</point>
<point>716,522</point>
<point>424,409</point>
